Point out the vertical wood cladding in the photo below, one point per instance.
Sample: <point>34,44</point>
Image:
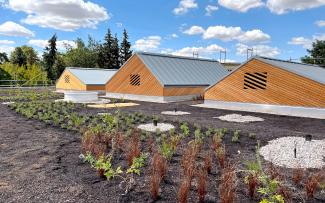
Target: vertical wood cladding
<point>259,82</point>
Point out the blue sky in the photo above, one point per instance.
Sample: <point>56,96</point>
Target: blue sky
<point>275,28</point>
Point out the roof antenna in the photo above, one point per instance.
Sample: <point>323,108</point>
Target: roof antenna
<point>250,51</point>
<point>225,55</point>
<point>195,54</point>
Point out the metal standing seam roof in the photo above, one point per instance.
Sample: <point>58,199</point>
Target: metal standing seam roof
<point>310,71</point>
<point>183,71</point>
<point>92,76</point>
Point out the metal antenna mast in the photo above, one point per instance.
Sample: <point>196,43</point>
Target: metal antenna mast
<point>195,54</point>
<point>224,52</point>
<point>251,51</point>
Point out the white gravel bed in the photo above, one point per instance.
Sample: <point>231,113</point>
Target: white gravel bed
<point>104,114</point>
<point>99,101</point>
<point>239,118</point>
<point>163,127</point>
<point>175,113</point>
<point>310,154</point>
<point>7,103</point>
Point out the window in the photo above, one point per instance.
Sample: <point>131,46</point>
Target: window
<point>255,80</point>
<point>135,79</point>
<point>67,79</point>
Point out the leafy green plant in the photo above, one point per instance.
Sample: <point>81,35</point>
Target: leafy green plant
<point>252,135</point>
<point>269,190</point>
<point>138,162</point>
<point>185,129</point>
<point>166,148</point>
<point>236,135</point>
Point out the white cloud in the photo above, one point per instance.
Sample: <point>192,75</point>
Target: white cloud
<point>241,5</point>
<point>306,43</point>
<point>10,28</point>
<point>6,49</point>
<point>119,25</point>
<point>210,9</point>
<point>222,33</point>
<point>283,6</point>
<point>67,15</point>
<point>320,23</point>
<point>6,42</point>
<point>60,44</point>
<point>184,6</point>
<point>147,43</point>
<point>255,36</point>
<point>206,52</point>
<point>174,35</point>
<point>236,33</point>
<point>261,50</point>
<point>194,30</point>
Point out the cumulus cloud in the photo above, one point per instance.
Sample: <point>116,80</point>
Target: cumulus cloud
<point>261,50</point>
<point>206,52</point>
<point>306,42</point>
<point>194,30</point>
<point>210,9</point>
<point>10,28</point>
<point>254,35</point>
<point>184,6</point>
<point>60,14</point>
<point>148,43</point>
<point>6,49</point>
<point>320,23</point>
<point>235,33</point>
<point>281,6</point>
<point>241,5</point>
<point>60,44</point>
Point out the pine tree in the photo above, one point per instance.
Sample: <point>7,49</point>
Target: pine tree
<point>49,57</point>
<point>115,53</point>
<point>125,50</point>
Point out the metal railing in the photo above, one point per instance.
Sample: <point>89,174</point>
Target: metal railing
<point>25,83</point>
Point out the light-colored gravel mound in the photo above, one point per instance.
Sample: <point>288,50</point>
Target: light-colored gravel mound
<point>239,118</point>
<point>99,101</point>
<point>7,103</point>
<point>310,154</point>
<point>163,127</point>
<point>175,113</point>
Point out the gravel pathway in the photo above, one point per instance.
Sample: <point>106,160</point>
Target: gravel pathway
<point>175,113</point>
<point>239,118</point>
<point>163,127</point>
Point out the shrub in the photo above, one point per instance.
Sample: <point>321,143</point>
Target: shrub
<point>185,129</point>
<point>311,185</point>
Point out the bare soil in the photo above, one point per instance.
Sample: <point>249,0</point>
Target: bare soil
<point>40,163</point>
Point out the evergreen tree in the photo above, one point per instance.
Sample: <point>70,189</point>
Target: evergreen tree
<point>58,66</point>
<point>125,49</point>
<point>105,52</point>
<point>115,53</point>
<point>317,54</point>
<point>49,57</point>
<point>18,57</point>
<point>3,57</point>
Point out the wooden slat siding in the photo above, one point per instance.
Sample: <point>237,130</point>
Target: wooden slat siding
<point>95,87</point>
<point>75,83</point>
<point>120,83</point>
<point>283,88</point>
<point>181,91</point>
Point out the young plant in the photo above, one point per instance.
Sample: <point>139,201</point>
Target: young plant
<point>252,135</point>
<point>268,190</point>
<point>154,186</point>
<point>202,183</point>
<point>228,185</point>
<point>166,148</point>
<point>185,129</point>
<point>159,165</point>
<point>216,142</point>
<point>251,179</point>
<point>221,156</point>
<point>311,185</point>
<point>133,149</point>
<point>137,164</point>
<point>184,190</point>
<point>208,162</point>
<point>297,175</point>
<point>236,135</point>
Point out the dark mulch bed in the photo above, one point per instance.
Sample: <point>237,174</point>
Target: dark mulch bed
<point>39,163</point>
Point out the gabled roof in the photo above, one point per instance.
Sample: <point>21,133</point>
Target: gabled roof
<point>92,76</point>
<point>182,71</point>
<point>312,72</point>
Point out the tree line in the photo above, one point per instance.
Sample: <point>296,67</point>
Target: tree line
<point>111,54</point>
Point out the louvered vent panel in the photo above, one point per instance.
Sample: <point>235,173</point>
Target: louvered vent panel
<point>255,81</point>
<point>135,80</point>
